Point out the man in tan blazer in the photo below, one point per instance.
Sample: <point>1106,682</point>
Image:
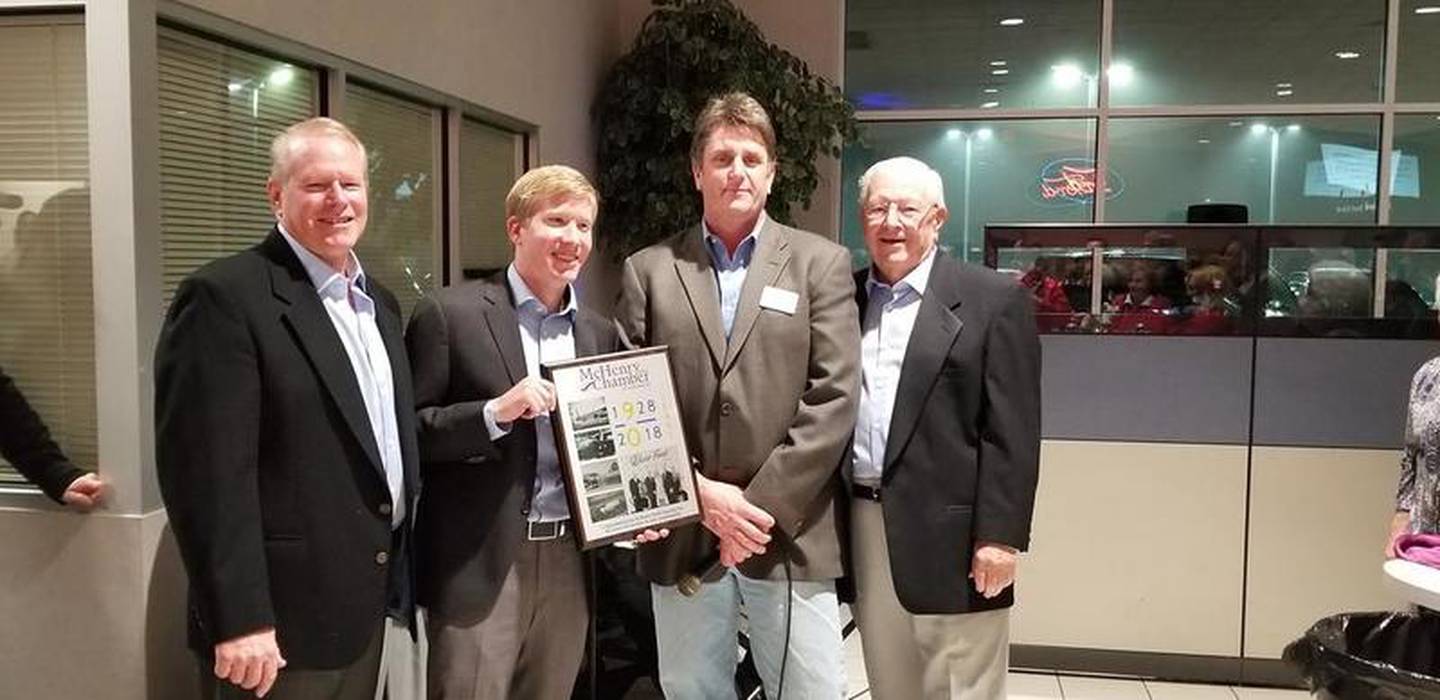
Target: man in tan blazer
<point>764,342</point>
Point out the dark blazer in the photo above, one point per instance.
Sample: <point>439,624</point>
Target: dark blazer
<point>25,442</point>
<point>770,408</point>
<point>268,465</point>
<point>962,459</point>
<point>465,349</point>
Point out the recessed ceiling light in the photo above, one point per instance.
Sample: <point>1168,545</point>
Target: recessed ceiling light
<point>1427,10</point>
<point>1012,22</point>
<point>990,105</point>
<point>997,64</point>
<point>1121,74</point>
<point>1066,75</point>
<point>953,134</point>
<point>1283,86</point>
<point>991,91</point>
<point>1347,55</point>
<point>1292,128</point>
<point>1259,128</point>
<point>1237,123</point>
<point>1284,93</point>
<point>1203,141</point>
<point>984,133</point>
<point>1000,71</point>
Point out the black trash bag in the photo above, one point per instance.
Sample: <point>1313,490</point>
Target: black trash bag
<point>1371,656</point>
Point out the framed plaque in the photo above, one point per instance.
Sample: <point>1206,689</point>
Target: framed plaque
<point>622,448</point>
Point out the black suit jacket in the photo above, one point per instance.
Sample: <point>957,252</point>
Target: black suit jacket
<point>465,349</point>
<point>25,442</point>
<point>962,458</point>
<point>268,465</point>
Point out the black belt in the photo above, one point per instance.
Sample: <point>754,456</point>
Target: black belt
<point>869,493</point>
<point>545,531</point>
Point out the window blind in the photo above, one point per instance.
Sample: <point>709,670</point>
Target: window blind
<point>47,325</point>
<point>490,161</point>
<point>220,106</point>
<point>401,140</point>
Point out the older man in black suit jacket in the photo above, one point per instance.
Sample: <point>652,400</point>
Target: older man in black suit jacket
<point>285,445</point>
<point>946,449</point>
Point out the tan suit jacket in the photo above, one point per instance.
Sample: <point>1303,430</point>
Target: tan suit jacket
<point>769,410</point>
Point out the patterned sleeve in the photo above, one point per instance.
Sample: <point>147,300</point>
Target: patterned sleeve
<point>1405,493</point>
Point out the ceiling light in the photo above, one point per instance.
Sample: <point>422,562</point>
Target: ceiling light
<point>1121,74</point>
<point>1292,128</point>
<point>1427,10</point>
<point>1347,55</point>
<point>952,134</point>
<point>1259,128</point>
<point>997,64</point>
<point>1000,71</point>
<point>1284,93</point>
<point>234,86</point>
<point>1066,75</point>
<point>281,76</point>
<point>1237,123</point>
<point>1203,141</point>
<point>985,133</point>
<point>1012,22</point>
<point>1283,86</point>
<point>990,105</point>
<point>991,91</point>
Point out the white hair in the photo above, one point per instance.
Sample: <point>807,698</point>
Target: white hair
<point>930,183</point>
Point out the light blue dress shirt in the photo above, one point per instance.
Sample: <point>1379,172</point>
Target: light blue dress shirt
<point>545,337</point>
<point>730,270</point>
<point>352,312</point>
<point>890,314</point>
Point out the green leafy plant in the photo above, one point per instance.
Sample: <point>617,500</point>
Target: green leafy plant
<point>688,51</point>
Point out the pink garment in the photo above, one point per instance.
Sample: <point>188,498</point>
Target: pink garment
<point>1419,548</point>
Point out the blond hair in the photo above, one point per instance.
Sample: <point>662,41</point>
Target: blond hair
<point>282,148</point>
<point>735,109</point>
<point>546,184</point>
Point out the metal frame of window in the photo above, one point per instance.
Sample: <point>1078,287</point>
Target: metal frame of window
<point>1386,110</point>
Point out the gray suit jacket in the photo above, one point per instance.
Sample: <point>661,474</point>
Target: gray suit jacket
<point>769,410</point>
<point>465,349</point>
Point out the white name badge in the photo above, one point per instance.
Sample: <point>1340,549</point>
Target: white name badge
<point>777,299</point>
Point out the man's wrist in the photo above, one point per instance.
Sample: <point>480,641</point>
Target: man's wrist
<point>493,427</point>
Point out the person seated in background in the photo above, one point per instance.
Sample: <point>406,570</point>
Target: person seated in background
<point>1211,306</point>
<point>1140,309</point>
<point>25,442</point>
<point>1336,289</point>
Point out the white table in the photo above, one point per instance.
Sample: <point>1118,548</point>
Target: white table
<point>1416,583</point>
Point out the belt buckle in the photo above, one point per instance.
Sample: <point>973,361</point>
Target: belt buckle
<point>544,531</point>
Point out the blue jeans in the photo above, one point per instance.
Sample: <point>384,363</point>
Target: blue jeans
<point>698,646</point>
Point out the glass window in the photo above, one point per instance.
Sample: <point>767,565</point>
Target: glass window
<point>978,54</point>
<point>490,161</point>
<point>1284,169</point>
<point>1150,281</point>
<point>1173,53</point>
<point>1001,171</point>
<point>1415,169</point>
<point>47,327</point>
<point>220,106</point>
<point>1419,51</point>
<point>402,142</point>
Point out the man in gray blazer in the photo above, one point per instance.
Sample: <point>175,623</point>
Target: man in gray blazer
<point>764,343</point>
<point>946,449</point>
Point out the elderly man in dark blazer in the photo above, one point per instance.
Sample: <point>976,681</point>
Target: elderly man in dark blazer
<point>285,445</point>
<point>763,340</point>
<point>946,449</point>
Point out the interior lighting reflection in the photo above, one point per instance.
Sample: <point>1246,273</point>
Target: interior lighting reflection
<point>1347,55</point>
<point>1259,128</point>
<point>1284,86</point>
<point>1202,141</point>
<point>281,76</point>
<point>1012,21</point>
<point>992,91</point>
<point>1000,71</point>
<point>990,105</point>
<point>952,135</point>
<point>1121,74</point>
<point>985,134</point>
<point>1066,75</point>
<point>1427,10</point>
<point>1293,128</point>
<point>1284,93</point>
<point>998,64</point>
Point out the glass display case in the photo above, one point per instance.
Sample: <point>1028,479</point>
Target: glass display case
<point>1310,281</point>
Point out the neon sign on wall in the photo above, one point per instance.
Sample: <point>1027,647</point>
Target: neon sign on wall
<point>1072,182</point>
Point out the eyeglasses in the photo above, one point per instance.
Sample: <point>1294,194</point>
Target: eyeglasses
<point>908,214</point>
